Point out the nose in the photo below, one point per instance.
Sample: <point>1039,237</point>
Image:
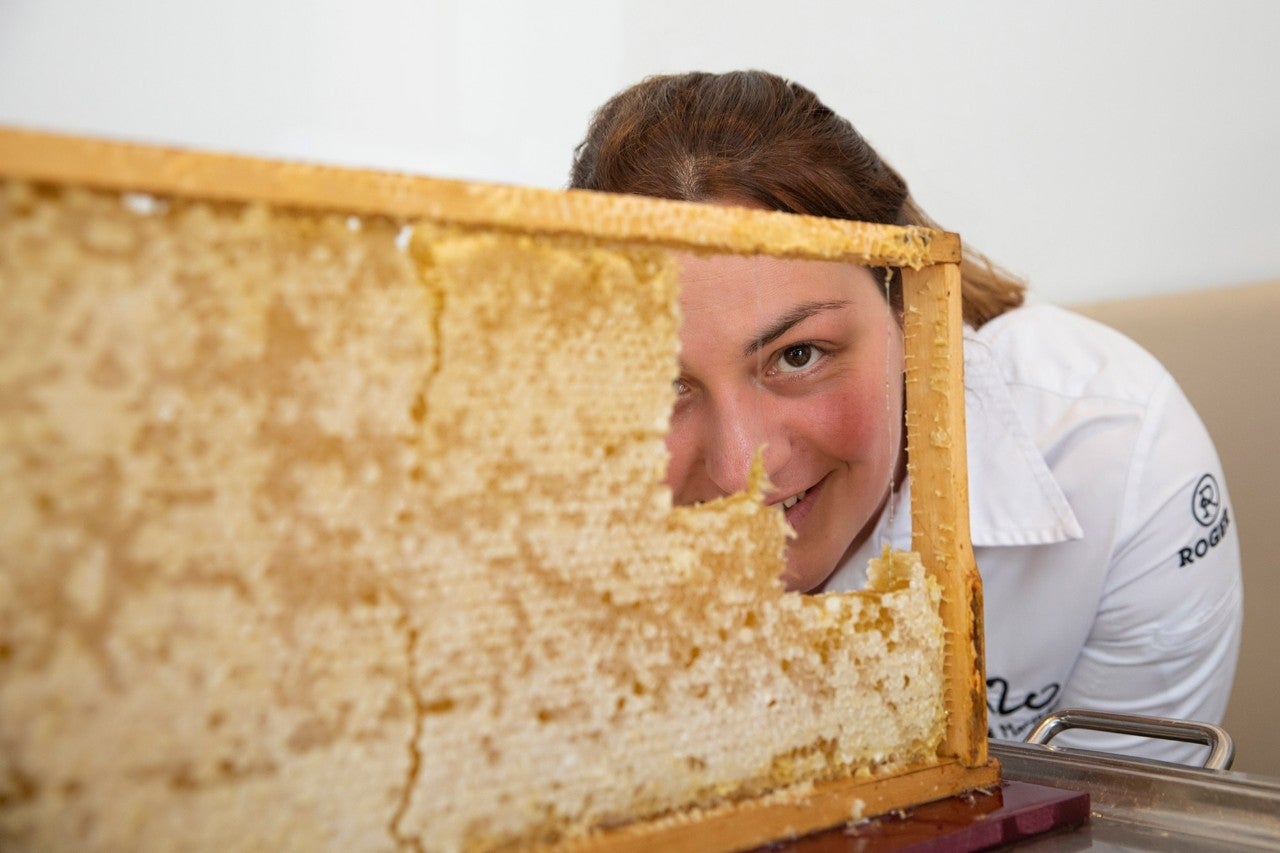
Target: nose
<point>736,429</point>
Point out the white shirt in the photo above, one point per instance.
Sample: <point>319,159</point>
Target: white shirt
<point>1102,530</point>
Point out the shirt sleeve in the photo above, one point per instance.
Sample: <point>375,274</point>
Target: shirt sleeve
<point>1167,632</point>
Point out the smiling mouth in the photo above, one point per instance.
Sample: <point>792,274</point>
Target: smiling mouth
<point>798,506</point>
<point>794,499</point>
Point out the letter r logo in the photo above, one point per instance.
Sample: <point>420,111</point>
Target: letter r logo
<point>1206,501</point>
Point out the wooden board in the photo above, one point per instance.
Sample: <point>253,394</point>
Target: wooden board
<point>790,814</point>
<point>142,168</point>
<point>938,464</point>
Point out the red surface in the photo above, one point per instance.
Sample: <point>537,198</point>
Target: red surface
<point>973,821</point>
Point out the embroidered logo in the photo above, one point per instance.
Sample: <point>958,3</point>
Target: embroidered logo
<point>1014,713</point>
<point>1209,511</point>
<point>1206,501</point>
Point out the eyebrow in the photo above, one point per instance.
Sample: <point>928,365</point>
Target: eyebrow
<point>784,323</point>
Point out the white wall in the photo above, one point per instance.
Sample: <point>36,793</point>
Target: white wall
<point>1099,147</point>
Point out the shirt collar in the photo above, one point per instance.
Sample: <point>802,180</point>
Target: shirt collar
<point>1014,498</point>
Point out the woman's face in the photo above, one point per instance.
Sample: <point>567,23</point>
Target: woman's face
<point>803,358</point>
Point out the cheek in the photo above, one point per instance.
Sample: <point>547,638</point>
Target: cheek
<point>859,423</point>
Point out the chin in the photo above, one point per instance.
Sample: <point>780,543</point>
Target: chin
<point>802,579</point>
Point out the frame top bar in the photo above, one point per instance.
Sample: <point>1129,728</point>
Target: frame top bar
<point>129,167</point>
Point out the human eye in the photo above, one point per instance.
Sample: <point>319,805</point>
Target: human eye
<point>797,358</point>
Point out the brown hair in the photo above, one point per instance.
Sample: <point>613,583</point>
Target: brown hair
<point>753,136</point>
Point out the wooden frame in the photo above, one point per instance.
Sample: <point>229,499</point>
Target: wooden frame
<point>934,396</point>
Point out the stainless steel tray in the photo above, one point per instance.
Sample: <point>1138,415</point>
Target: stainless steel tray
<point>1149,805</point>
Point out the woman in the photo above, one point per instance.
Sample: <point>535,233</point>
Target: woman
<point>1093,484</point>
